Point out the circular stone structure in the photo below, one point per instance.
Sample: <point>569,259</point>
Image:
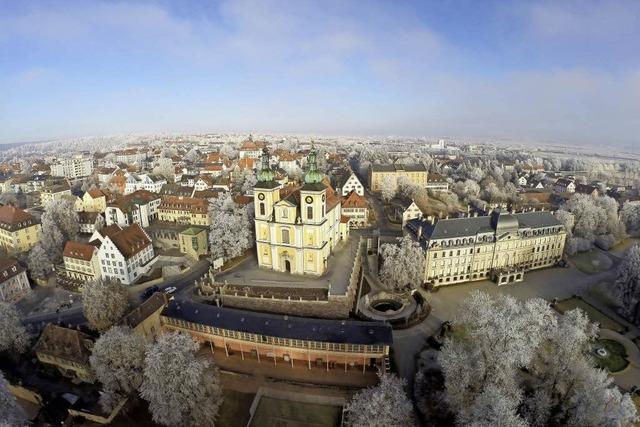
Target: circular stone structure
<point>386,306</point>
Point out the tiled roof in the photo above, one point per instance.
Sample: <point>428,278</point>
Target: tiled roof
<point>77,250</point>
<point>144,310</point>
<point>414,167</point>
<point>67,344</point>
<point>130,240</point>
<point>292,327</point>
<point>12,218</point>
<point>190,204</point>
<point>354,200</point>
<point>9,268</point>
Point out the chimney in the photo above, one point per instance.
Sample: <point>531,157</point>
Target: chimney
<point>433,220</point>
<point>419,234</point>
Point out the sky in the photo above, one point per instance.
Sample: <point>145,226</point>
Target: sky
<point>557,71</point>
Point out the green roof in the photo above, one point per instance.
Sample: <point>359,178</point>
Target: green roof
<point>193,230</point>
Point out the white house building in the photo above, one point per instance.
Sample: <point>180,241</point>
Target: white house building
<point>352,184</point>
<point>125,254</point>
<point>139,207</point>
<point>147,182</point>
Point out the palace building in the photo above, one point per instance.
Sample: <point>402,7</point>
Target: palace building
<point>296,227</point>
<point>500,247</point>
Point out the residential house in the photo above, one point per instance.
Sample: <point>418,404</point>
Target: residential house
<point>356,209</point>
<point>437,182</point>
<point>66,349</point>
<point>96,200</point>
<point>126,255</point>
<point>352,183</point>
<point>87,221</point>
<point>590,190</point>
<point>139,207</point>
<point>194,242</point>
<point>144,320</point>
<point>19,231</point>
<point>14,283</point>
<point>147,182</point>
<point>564,185</point>
<point>54,192</point>
<point>81,262</point>
<point>184,210</point>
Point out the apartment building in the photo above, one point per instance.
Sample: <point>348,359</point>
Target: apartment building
<point>415,173</point>
<point>73,167</point>
<point>19,231</point>
<point>125,254</point>
<point>14,283</point>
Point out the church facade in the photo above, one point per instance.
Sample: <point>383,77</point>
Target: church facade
<point>296,228</point>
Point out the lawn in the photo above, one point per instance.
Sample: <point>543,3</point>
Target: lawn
<point>592,262</point>
<point>273,412</point>
<point>594,314</point>
<point>617,358</point>
<point>235,409</point>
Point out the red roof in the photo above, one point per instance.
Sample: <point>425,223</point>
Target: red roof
<point>77,250</point>
<point>354,200</point>
<point>130,240</point>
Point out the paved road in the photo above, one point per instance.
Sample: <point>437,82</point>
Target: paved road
<point>384,225</point>
<point>74,316</point>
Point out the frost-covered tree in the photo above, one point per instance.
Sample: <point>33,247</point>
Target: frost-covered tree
<point>104,302</point>
<point>492,408</point>
<point>10,412</point>
<point>231,231</point>
<point>630,217</point>
<point>117,359</point>
<point>60,223</point>
<point>388,188</point>
<point>182,389</point>
<point>228,151</point>
<point>249,182</point>
<point>39,263</point>
<point>402,264</point>
<point>627,284</point>
<point>595,217</point>
<point>385,405</point>
<point>192,156</point>
<point>13,335</point>
<point>495,339</point>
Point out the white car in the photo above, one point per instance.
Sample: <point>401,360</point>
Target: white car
<point>170,290</point>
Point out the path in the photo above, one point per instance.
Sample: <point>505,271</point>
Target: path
<point>630,376</point>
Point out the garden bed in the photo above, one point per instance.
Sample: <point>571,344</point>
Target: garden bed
<point>593,313</point>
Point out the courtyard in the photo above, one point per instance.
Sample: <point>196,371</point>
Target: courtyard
<point>340,264</point>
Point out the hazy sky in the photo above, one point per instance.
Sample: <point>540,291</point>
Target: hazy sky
<point>554,71</point>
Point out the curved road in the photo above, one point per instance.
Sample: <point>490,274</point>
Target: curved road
<point>74,316</point>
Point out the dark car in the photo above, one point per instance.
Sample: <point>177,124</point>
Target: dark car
<point>149,291</point>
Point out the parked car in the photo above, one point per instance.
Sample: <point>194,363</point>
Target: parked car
<point>170,290</point>
<point>149,291</point>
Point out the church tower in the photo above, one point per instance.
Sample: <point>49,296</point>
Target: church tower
<point>313,194</point>
<point>266,191</point>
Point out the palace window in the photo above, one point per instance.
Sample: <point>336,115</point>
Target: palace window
<point>285,235</point>
<point>262,209</point>
<point>309,212</point>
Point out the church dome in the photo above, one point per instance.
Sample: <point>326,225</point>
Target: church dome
<point>313,175</point>
<point>266,174</point>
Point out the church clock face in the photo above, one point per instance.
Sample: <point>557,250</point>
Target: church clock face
<point>309,199</point>
<point>261,196</point>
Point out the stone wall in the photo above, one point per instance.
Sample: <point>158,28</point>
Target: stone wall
<point>333,307</point>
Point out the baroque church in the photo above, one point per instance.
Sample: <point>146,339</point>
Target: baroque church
<point>297,228</point>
